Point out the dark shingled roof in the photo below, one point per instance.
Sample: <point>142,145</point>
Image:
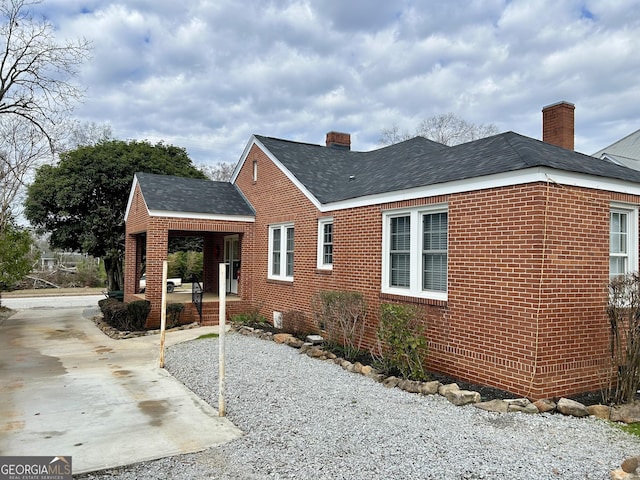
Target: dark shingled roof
<point>332,174</point>
<point>190,195</point>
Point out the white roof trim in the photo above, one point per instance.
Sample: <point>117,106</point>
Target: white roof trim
<point>130,201</point>
<point>254,141</point>
<point>519,177</point>
<point>201,216</point>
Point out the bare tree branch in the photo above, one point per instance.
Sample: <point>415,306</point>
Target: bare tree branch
<point>446,128</point>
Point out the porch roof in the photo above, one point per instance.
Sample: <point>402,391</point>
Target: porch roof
<point>164,193</point>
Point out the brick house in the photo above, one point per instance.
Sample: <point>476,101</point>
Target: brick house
<point>507,243</point>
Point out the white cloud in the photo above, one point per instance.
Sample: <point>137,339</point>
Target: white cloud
<point>207,74</point>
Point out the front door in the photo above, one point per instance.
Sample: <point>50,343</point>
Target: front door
<point>232,261</point>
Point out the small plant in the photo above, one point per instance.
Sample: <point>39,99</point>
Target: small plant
<point>403,344</point>
<point>137,313</point>
<point>341,315</point>
<point>251,318</point>
<point>174,310</point>
<point>114,313</point>
<point>207,335</point>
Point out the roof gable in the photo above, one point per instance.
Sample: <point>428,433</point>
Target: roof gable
<point>627,148</point>
<point>165,194</point>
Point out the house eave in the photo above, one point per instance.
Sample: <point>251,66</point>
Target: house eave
<point>202,216</point>
<point>519,177</point>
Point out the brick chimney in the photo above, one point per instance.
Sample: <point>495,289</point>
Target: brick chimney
<point>558,124</point>
<point>339,140</point>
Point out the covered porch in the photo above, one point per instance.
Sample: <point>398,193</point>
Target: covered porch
<point>162,208</point>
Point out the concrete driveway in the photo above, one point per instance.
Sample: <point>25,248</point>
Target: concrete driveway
<point>68,390</point>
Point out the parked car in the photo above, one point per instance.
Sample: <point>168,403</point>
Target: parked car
<point>172,283</point>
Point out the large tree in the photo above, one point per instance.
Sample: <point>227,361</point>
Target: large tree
<point>446,128</point>
<point>82,200</point>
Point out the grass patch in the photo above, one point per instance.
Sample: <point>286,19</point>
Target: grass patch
<point>208,335</point>
<point>630,428</point>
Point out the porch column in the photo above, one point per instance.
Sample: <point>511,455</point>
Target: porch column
<point>157,248</point>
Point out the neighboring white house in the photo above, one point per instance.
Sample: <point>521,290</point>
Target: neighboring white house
<point>625,152</point>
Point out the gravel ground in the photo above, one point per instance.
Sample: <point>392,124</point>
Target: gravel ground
<point>309,419</point>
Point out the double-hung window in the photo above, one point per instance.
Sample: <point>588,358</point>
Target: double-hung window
<point>325,244</point>
<point>623,240</point>
<point>415,252</point>
<point>281,252</point>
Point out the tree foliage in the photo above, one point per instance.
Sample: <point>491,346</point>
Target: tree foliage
<point>82,200</point>
<point>15,255</point>
<point>446,128</point>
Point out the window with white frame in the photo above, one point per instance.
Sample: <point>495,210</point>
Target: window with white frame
<point>415,249</point>
<point>623,240</point>
<point>281,252</point>
<point>325,243</point>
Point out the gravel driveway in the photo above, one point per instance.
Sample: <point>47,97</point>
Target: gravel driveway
<point>309,419</point>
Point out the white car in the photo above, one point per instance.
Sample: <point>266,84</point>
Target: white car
<point>172,283</point>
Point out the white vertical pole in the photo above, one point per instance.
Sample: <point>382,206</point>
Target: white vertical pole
<point>222,288</point>
<point>163,312</point>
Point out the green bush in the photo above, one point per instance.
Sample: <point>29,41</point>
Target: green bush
<point>404,345</point>
<point>174,310</point>
<point>114,313</point>
<point>137,313</point>
<point>341,315</point>
<point>252,318</point>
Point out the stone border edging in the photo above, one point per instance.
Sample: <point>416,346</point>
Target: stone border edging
<point>621,413</point>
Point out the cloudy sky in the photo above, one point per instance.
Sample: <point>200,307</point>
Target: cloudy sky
<point>206,74</point>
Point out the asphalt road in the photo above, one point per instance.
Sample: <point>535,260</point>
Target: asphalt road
<point>76,301</point>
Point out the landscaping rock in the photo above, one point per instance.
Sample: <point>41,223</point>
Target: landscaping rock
<point>444,389</point>
<point>430,388</point>
<point>305,347</point>
<point>600,411</point>
<point>545,405</point>
<point>631,464</point>
<point>294,342</point>
<point>462,397</point>
<point>498,406</point>
<point>628,413</point>
<point>572,408</point>
<point>357,367</point>
<point>366,370</point>
<point>314,339</point>
<point>315,352</point>
<point>282,337</point>
<point>410,386</point>
<point>391,382</point>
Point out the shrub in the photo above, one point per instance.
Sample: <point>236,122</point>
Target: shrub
<point>137,313</point>
<point>252,318</point>
<point>341,315</point>
<point>295,323</point>
<point>404,345</point>
<point>623,379</point>
<point>174,310</point>
<point>114,313</point>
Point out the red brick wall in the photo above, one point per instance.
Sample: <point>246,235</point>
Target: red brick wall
<point>528,273</point>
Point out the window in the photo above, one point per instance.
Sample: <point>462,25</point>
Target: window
<point>415,248</point>
<point>325,243</point>
<point>255,170</point>
<point>281,252</point>
<point>623,241</point>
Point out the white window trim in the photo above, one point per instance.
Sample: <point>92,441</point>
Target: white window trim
<point>632,228</point>
<point>283,252</point>
<point>320,252</point>
<point>415,289</point>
